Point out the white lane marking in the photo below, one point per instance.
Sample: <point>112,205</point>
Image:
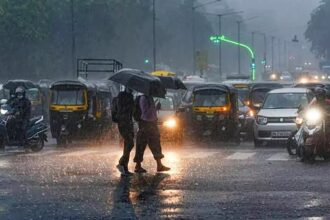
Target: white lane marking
<point>4,164</point>
<point>240,156</point>
<point>279,157</point>
<point>197,155</point>
<point>78,153</point>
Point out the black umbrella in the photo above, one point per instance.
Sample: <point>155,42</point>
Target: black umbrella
<point>171,82</point>
<point>140,82</point>
<point>13,84</point>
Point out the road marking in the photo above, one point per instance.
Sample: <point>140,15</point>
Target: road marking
<point>201,154</point>
<point>240,156</point>
<point>279,157</point>
<point>4,164</point>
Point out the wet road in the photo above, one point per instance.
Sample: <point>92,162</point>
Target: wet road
<point>206,182</point>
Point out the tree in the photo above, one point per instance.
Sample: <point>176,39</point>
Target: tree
<point>318,32</point>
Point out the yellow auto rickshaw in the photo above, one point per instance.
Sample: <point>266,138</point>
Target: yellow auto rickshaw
<point>79,110</point>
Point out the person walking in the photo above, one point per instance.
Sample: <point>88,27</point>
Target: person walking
<point>148,133</point>
<point>124,105</point>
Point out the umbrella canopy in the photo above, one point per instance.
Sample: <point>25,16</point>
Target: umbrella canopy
<point>162,73</point>
<point>172,82</point>
<point>140,82</point>
<point>13,84</point>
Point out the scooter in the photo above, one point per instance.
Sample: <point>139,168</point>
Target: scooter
<point>35,135</point>
<point>314,137</point>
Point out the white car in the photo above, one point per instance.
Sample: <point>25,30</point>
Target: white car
<point>275,121</point>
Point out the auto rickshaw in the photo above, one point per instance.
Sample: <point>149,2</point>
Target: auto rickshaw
<point>258,92</point>
<point>80,110</point>
<point>215,111</point>
<point>33,93</point>
<point>242,86</point>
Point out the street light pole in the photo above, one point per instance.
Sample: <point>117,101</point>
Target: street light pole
<point>220,16</point>
<point>220,49</point>
<point>154,33</point>
<point>239,48</point>
<point>273,39</point>
<point>193,8</point>
<point>279,55</point>
<point>73,39</point>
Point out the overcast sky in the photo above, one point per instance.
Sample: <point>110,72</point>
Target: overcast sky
<point>285,18</point>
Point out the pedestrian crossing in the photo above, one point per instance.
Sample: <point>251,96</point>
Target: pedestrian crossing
<point>175,155</point>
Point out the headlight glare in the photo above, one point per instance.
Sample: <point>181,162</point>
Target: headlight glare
<point>170,123</point>
<point>3,111</point>
<point>313,116</point>
<point>299,121</point>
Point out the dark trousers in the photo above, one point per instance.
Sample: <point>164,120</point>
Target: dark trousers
<point>148,134</point>
<point>126,130</point>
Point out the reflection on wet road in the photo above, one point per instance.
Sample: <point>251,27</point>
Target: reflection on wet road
<point>205,182</point>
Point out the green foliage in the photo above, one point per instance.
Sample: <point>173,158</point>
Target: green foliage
<point>318,32</point>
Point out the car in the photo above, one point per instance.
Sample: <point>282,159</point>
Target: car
<point>286,76</point>
<point>275,120</point>
<point>170,126</point>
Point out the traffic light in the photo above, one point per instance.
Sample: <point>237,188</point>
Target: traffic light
<point>146,61</point>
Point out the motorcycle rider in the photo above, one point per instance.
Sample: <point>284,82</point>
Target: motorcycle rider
<point>320,99</point>
<point>21,111</point>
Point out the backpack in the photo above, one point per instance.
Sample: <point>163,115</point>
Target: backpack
<point>114,110</point>
<point>137,110</point>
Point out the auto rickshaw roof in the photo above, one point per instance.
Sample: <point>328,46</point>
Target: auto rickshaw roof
<point>192,84</point>
<point>13,84</point>
<point>261,85</point>
<point>68,84</point>
<point>216,86</point>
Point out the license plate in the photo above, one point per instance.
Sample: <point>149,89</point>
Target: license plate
<point>281,134</point>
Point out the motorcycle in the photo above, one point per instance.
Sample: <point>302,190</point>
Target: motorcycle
<point>35,134</point>
<point>312,139</point>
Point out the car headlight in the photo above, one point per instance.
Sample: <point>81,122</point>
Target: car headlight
<point>313,116</point>
<point>3,111</point>
<point>261,120</point>
<point>299,120</point>
<point>250,114</point>
<point>170,123</point>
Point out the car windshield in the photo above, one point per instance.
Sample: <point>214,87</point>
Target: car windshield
<point>32,94</point>
<point>285,100</point>
<point>243,93</point>
<point>167,103</point>
<point>68,97</point>
<point>258,96</point>
<point>210,98</point>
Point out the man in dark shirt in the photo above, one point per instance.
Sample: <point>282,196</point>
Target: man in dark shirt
<point>124,116</point>
<point>148,134</point>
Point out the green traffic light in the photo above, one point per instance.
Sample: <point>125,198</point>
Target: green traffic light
<point>218,39</point>
<point>146,61</point>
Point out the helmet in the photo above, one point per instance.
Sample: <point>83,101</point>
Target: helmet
<point>320,93</point>
<point>20,92</point>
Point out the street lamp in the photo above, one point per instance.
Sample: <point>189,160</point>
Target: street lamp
<point>193,8</point>
<point>220,16</point>
<point>239,40</point>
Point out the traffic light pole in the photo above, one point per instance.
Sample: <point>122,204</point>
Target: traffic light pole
<point>220,48</point>
<point>154,34</point>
